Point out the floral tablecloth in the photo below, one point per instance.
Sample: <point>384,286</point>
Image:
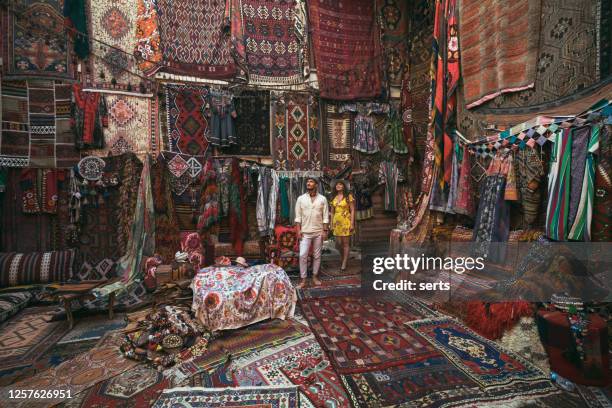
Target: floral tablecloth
<point>233,297</point>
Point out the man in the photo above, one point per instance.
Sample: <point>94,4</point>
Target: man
<point>312,221</point>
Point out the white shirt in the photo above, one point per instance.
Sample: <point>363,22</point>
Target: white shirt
<point>311,214</point>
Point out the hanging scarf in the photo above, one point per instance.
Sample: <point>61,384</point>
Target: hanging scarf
<point>237,209</point>
<point>395,134</point>
<point>529,175</point>
<point>89,116</point>
<point>209,206</point>
<point>559,186</point>
<point>464,203</point>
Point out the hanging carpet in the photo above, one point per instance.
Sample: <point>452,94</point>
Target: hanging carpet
<point>395,26</point>
<point>187,123</point>
<point>338,134</point>
<point>252,125</point>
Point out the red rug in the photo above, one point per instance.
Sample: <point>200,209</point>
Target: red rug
<point>346,43</point>
<point>361,334</point>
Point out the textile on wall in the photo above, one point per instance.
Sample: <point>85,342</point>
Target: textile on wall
<point>295,132</point>
<point>395,26</point>
<point>338,134</point>
<point>166,225</point>
<point>252,124</point>
<point>274,34</point>
<point>36,43</point>
<point>113,67</point>
<point>349,64</point>
<point>15,135</point>
<point>602,211</point>
<point>148,48</point>
<point>186,119</point>
<point>499,42</point>
<point>132,126</point>
<point>194,40</point>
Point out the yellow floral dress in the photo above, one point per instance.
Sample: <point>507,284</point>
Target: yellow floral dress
<point>342,216</point>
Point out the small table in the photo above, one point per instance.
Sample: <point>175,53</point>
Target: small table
<point>82,291</point>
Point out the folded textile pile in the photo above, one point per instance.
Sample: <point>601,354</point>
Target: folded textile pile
<point>164,337</point>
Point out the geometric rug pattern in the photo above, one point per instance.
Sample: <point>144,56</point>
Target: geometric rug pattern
<point>252,397</point>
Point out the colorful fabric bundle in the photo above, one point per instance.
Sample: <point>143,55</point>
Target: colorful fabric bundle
<point>36,267</point>
<point>512,30</point>
<point>348,62</point>
<point>530,171</point>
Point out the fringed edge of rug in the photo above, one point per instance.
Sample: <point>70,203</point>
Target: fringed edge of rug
<point>494,95</point>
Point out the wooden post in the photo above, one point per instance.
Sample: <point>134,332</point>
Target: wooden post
<point>111,304</point>
<point>67,306</point>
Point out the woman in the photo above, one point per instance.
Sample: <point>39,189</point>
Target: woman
<point>343,219</point>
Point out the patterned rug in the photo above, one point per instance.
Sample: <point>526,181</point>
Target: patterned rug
<point>338,135</point>
<point>140,386</point>
<point>192,38</point>
<point>36,43</point>
<point>348,63</point>
<point>483,360</point>
<point>76,375</point>
<point>364,334</point>
<point>300,362</point>
<point>252,125</point>
<point>253,397</point>
<point>25,337</point>
<point>295,132</point>
<point>132,126</point>
<point>337,286</point>
<point>513,31</point>
<point>113,66</point>
<point>187,125</point>
<point>93,327</point>
<point>274,38</point>
<point>395,24</point>
<point>596,397</point>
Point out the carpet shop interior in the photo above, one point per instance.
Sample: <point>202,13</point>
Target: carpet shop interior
<point>192,193</point>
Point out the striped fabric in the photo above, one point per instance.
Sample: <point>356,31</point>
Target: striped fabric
<point>558,186</point>
<point>35,267</point>
<point>580,230</point>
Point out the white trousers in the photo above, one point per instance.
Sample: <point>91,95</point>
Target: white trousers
<point>316,240</point>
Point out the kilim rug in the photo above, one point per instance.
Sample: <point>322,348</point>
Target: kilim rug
<point>15,135</point>
<point>41,104</point>
<point>187,124</point>
<point>484,361</point>
<point>295,132</point>
<point>338,135</point>
<point>36,44</point>
<point>300,362</point>
<point>100,363</point>
<point>253,397</point>
<point>92,328</point>
<point>348,59</point>
<point>238,343</point>
<point>395,25</point>
<point>113,67</point>
<point>364,334</point>
<point>496,38</point>
<point>132,126</point>
<point>193,41</point>
<point>596,397</point>
<point>140,386</point>
<point>252,124</point>
<point>274,34</point>
<point>25,337</point>
<point>66,154</point>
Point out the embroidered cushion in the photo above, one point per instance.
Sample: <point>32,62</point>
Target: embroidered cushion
<point>35,267</point>
<point>11,303</point>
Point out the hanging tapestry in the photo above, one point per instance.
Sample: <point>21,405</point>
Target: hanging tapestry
<point>112,63</point>
<point>36,43</point>
<point>497,37</point>
<point>66,154</point>
<point>166,225</point>
<point>187,123</point>
<point>194,39</point>
<point>132,126</point>
<point>348,59</point>
<point>148,47</point>
<point>338,133</point>
<point>274,37</point>
<point>395,25</point>
<point>42,123</point>
<point>297,144</point>
<point>15,135</point>
<point>252,124</point>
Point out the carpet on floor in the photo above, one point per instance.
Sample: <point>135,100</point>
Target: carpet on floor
<point>93,327</point>
<point>246,397</point>
<point>25,337</point>
<point>596,397</point>
<point>300,362</point>
<point>364,334</point>
<point>483,360</point>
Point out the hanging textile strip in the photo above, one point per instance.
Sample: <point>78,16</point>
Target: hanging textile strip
<point>349,60</point>
<point>395,25</point>
<point>41,107</point>
<point>558,186</point>
<point>89,116</point>
<point>513,30</point>
<point>148,47</point>
<point>194,40</point>
<point>338,129</point>
<point>15,135</point>
<point>274,38</point>
<point>252,125</point>
<point>35,41</point>
<point>113,67</point>
<point>186,121</point>
<point>66,154</point>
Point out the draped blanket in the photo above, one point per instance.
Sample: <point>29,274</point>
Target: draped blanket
<point>230,297</point>
<point>499,41</point>
<point>192,38</point>
<point>347,50</point>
